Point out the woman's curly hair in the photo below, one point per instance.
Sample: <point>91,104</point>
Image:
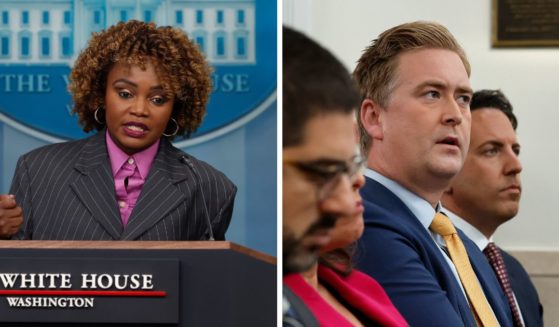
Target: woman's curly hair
<point>178,62</point>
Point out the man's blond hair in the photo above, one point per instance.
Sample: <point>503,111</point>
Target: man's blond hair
<point>376,68</point>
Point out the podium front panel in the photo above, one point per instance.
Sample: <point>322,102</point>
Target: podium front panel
<point>216,287</point>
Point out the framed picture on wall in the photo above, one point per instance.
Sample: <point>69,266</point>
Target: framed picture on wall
<point>525,23</point>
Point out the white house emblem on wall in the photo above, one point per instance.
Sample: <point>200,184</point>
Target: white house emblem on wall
<point>39,40</point>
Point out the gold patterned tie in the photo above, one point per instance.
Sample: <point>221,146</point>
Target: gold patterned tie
<point>478,303</point>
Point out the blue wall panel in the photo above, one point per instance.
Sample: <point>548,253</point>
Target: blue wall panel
<point>239,132</point>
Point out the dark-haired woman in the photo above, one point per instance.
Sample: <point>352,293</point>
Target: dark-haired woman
<point>335,293</point>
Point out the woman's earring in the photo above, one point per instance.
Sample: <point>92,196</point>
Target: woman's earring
<point>176,129</point>
<point>95,116</point>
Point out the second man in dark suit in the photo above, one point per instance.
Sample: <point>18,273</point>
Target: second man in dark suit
<point>486,194</point>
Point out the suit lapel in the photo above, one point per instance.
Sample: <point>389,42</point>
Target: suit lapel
<point>95,185</point>
<point>160,194</point>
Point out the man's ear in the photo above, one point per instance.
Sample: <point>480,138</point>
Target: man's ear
<point>371,118</point>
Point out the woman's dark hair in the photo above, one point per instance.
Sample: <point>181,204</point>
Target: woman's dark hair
<point>340,260</point>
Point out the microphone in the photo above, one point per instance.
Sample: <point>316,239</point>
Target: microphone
<point>186,161</point>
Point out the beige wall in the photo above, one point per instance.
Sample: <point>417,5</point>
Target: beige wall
<point>529,77</point>
<point>543,268</point>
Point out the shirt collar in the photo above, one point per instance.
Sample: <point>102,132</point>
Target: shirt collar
<point>143,159</point>
<point>473,233</point>
<point>422,209</point>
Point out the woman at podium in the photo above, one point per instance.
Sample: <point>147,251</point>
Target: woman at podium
<point>138,86</point>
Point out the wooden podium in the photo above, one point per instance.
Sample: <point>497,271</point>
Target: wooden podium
<point>219,283</point>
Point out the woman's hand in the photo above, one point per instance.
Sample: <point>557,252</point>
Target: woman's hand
<point>11,216</point>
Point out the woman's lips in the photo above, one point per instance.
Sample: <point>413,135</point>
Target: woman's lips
<point>135,129</point>
<point>359,207</point>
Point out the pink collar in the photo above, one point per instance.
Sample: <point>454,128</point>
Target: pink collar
<point>143,159</point>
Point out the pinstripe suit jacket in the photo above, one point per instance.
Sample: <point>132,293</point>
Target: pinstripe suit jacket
<point>67,192</point>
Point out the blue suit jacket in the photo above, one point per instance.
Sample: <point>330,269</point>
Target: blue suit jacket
<point>525,292</point>
<point>400,254</point>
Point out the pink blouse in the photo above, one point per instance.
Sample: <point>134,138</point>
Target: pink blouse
<point>130,174</point>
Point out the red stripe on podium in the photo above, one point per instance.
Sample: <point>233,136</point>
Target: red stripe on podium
<point>85,293</point>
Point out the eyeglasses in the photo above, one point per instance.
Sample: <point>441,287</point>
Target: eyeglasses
<point>327,173</point>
